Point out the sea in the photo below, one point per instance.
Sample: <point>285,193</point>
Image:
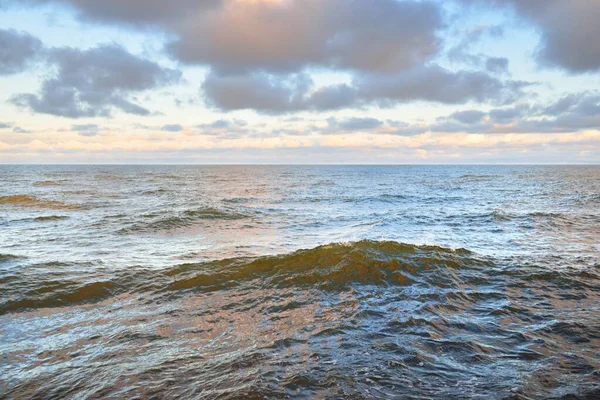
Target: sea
<point>299,282</point>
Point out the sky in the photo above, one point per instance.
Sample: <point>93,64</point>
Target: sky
<point>300,81</point>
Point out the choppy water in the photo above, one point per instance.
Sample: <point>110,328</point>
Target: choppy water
<point>299,282</point>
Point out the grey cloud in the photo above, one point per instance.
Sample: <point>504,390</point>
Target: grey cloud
<point>172,128</point>
<point>93,82</point>
<point>273,94</point>
<point>406,129</point>
<point>467,116</point>
<point>5,125</point>
<point>224,124</point>
<point>334,97</point>
<point>461,52</point>
<point>17,49</point>
<point>258,91</point>
<point>506,115</point>
<point>228,129</point>
<point>18,129</point>
<point>581,104</point>
<point>86,129</point>
<point>364,35</point>
<point>497,65</point>
<point>374,35</point>
<point>571,113</point>
<point>369,125</point>
<point>440,85</point>
<point>135,12</point>
<point>220,124</point>
<point>354,124</point>
<point>569,30</point>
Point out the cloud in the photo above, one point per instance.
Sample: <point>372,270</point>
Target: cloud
<point>94,82</point>
<point>275,94</point>
<point>353,124</point>
<point>5,125</point>
<point>288,36</point>
<point>571,113</point>
<point>259,91</point>
<point>437,84</point>
<point>468,116</point>
<point>134,12</point>
<point>17,50</point>
<point>220,124</point>
<point>497,65</point>
<point>240,36</point>
<point>86,129</point>
<point>172,128</point>
<point>568,29</point>
<point>462,53</point>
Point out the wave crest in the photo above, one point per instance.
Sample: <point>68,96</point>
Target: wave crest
<point>35,202</point>
<point>184,220</point>
<point>330,267</point>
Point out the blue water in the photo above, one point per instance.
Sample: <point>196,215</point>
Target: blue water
<point>185,281</point>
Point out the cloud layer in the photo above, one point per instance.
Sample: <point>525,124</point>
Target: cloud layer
<point>277,74</point>
<point>93,82</point>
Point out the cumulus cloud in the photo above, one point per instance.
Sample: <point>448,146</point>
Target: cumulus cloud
<point>278,36</point>
<point>260,55</point>
<point>17,49</point>
<point>5,125</point>
<point>259,91</point>
<point>91,83</point>
<point>287,36</point>
<point>437,84</point>
<point>274,94</point>
<point>569,30</point>
<point>281,36</point>
<point>135,12</point>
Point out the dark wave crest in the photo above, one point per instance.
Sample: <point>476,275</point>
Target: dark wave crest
<point>330,267</point>
<point>35,202</point>
<point>183,220</point>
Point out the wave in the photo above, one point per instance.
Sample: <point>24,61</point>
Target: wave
<point>51,218</point>
<point>336,267</point>
<point>109,177</point>
<point>21,200</point>
<point>329,267</point>
<point>333,267</point>
<point>184,220</point>
<point>46,183</point>
<point>4,258</point>
<point>466,178</point>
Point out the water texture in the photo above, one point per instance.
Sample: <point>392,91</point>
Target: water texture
<point>239,282</point>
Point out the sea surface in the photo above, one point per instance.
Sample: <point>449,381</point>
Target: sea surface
<point>326,282</point>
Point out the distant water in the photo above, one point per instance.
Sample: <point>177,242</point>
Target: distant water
<point>233,282</point>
